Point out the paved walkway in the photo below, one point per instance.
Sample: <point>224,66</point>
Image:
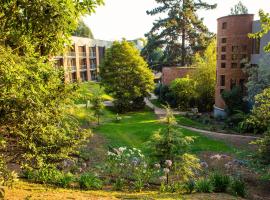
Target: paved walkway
<point>236,140</point>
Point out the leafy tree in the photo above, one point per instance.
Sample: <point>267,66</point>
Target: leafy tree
<point>97,104</point>
<point>205,77</point>
<point>34,120</point>
<point>45,24</point>
<point>126,76</point>
<point>264,148</point>
<point>169,143</point>
<point>260,114</point>
<point>259,77</point>
<point>184,92</point>
<point>265,28</point>
<point>239,9</point>
<point>83,30</point>
<point>181,33</point>
<point>234,100</point>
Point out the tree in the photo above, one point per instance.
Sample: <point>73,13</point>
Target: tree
<point>83,30</point>
<point>260,114</point>
<point>265,28</point>
<point>259,77</point>
<point>205,77</point>
<point>264,148</point>
<point>239,9</point>
<point>169,143</point>
<point>46,24</point>
<point>97,104</point>
<point>125,75</point>
<point>184,92</point>
<point>181,33</point>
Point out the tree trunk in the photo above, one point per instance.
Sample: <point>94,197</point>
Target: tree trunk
<point>183,59</point>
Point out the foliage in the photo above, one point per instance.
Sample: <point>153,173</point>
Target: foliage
<point>66,179</point>
<point>204,76</point>
<point>83,30</point>
<point>165,95</point>
<point>46,24</point>
<point>189,186</point>
<point>220,182</point>
<point>260,114</point>
<point>238,187</point>
<point>265,27</point>
<point>7,177</point>
<point>234,100</point>
<point>259,77</point>
<point>181,33</point>
<point>46,174</point>
<point>97,104</point>
<point>34,120</point>
<point>126,76</point>
<point>184,91</point>
<point>169,143</point>
<point>239,9</point>
<point>125,164</point>
<point>204,186</point>
<point>89,181</point>
<point>264,148</point>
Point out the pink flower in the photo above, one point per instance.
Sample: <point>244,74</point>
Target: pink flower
<point>168,163</point>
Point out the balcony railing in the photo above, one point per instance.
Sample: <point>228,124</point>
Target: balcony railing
<point>93,67</point>
<point>93,55</point>
<point>82,54</point>
<point>73,68</point>
<point>83,67</point>
<point>71,54</point>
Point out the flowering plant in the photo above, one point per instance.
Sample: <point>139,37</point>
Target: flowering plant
<point>129,164</point>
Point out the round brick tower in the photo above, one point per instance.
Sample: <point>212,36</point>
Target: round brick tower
<point>233,48</point>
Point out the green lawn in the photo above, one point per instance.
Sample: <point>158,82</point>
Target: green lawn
<point>192,123</point>
<point>136,128</point>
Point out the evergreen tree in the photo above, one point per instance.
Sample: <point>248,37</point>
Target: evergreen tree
<point>181,33</point>
<point>83,30</point>
<point>126,76</point>
<point>239,9</point>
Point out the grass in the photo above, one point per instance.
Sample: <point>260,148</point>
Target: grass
<point>85,90</point>
<point>136,128</point>
<point>182,120</point>
<point>27,191</point>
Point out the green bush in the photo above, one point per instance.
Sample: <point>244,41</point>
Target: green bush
<point>189,186</point>
<point>238,187</point>
<point>220,182</point>
<point>204,186</point>
<point>65,180</point>
<point>47,175</point>
<point>89,181</point>
<point>119,184</point>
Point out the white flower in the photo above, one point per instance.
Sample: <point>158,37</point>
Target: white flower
<point>157,165</point>
<point>204,165</point>
<point>168,163</point>
<point>166,170</point>
<point>121,164</point>
<point>122,149</point>
<point>110,153</point>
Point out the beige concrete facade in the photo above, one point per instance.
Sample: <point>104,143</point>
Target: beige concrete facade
<point>82,61</point>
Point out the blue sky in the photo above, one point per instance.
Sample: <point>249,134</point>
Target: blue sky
<point>128,19</point>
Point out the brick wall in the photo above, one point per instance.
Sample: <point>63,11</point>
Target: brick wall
<point>171,73</point>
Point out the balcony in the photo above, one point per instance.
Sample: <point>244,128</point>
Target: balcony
<point>93,67</point>
<point>93,55</point>
<point>83,67</point>
<point>71,54</point>
<point>82,54</point>
<point>73,68</point>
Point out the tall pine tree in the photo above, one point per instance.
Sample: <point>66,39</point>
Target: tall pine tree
<point>181,32</point>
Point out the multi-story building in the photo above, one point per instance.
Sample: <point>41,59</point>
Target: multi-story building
<point>81,62</point>
<point>234,49</point>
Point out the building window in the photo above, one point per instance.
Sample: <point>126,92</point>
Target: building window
<point>223,57</point>
<point>243,56</point>
<point>223,65</point>
<point>82,51</point>
<point>222,80</point>
<point>256,46</point>
<point>73,77</point>
<point>223,40</point>
<point>224,25</point>
<point>242,84</point>
<point>234,65</point>
<point>242,65</point>
<point>235,48</point>
<point>234,56</point>
<point>244,47</point>
<point>233,83</point>
<point>83,76</point>
<point>223,49</point>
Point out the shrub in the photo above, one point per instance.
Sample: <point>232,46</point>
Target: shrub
<point>47,175</point>
<point>189,186</point>
<point>220,182</point>
<point>119,184</point>
<point>238,187</point>
<point>65,180</point>
<point>89,181</point>
<point>264,148</point>
<point>204,186</point>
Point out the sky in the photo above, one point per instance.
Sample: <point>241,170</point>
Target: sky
<point>119,19</point>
